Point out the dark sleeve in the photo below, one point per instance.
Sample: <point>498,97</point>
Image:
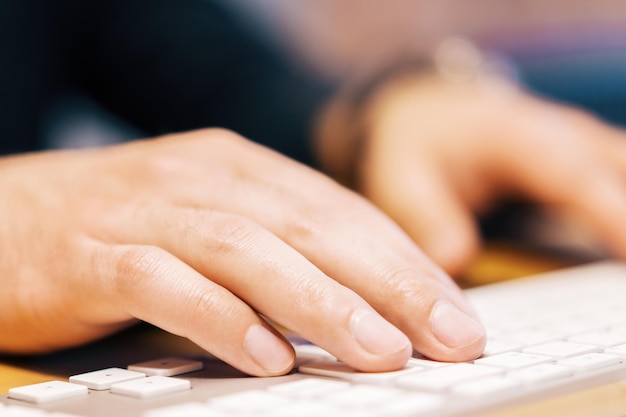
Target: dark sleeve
<point>172,65</point>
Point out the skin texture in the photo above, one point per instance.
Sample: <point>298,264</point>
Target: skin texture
<point>204,234</point>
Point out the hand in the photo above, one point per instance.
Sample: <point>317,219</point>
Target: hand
<point>437,154</point>
<point>204,234</point>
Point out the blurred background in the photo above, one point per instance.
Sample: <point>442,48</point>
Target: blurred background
<point>573,50</point>
<point>570,50</point>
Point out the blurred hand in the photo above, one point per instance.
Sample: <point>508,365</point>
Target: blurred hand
<point>204,234</point>
<point>436,154</point>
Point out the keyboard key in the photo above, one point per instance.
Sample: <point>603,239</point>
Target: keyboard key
<point>415,404</point>
<point>167,366</point>
<point>590,361</point>
<point>529,337</point>
<point>513,360</point>
<point>340,370</point>
<point>152,386</point>
<point>486,386</point>
<point>103,379</point>
<point>47,391</point>
<point>17,411</point>
<point>315,409</point>
<point>309,353</point>
<point>495,347</point>
<point>541,373</point>
<point>561,349</point>
<point>185,410</point>
<point>309,388</point>
<point>250,402</point>
<point>364,397</point>
<point>426,363</point>
<point>617,350</point>
<point>442,378</point>
<point>605,338</point>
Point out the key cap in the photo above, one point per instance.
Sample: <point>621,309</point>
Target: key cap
<point>167,366</point>
<point>600,338</point>
<point>315,409</point>
<point>152,386</point>
<point>443,378</point>
<point>617,350</point>
<point>185,410</point>
<point>17,411</point>
<point>560,349</point>
<point>47,391</point>
<point>414,404</point>
<point>590,361</point>
<point>250,402</point>
<point>364,397</point>
<point>103,379</point>
<point>495,347</point>
<point>340,370</point>
<point>308,388</point>
<point>541,373</point>
<point>512,360</point>
<point>486,386</point>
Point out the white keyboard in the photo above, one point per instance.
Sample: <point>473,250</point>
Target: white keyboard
<point>549,335</point>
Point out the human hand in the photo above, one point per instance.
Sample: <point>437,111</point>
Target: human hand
<point>436,154</point>
<point>204,234</point>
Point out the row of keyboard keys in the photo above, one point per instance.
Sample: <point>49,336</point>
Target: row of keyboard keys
<point>149,383</point>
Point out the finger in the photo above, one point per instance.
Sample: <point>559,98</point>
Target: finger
<point>345,237</point>
<point>276,281</point>
<point>419,197</point>
<point>154,286</point>
<point>281,185</point>
<point>436,318</point>
<point>562,167</point>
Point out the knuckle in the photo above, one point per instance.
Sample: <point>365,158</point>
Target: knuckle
<point>407,289</point>
<point>231,234</point>
<point>209,304</point>
<point>136,267</point>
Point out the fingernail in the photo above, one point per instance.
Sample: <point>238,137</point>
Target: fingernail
<point>454,328</point>
<point>375,335</point>
<point>267,351</point>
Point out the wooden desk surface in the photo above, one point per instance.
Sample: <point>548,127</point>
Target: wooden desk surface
<point>496,264</point>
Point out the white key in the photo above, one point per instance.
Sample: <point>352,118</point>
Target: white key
<point>541,373</point>
<point>416,403</point>
<point>152,386</point>
<point>485,386</point>
<point>560,349</point>
<point>103,379</point>
<point>314,409</point>
<point>495,347</point>
<point>617,350</point>
<point>309,353</point>
<point>340,370</point>
<point>512,360</point>
<point>62,415</point>
<point>443,378</point>
<point>600,338</point>
<point>167,366</point>
<point>364,396</point>
<point>186,410</point>
<point>590,361</point>
<point>251,402</point>
<point>47,391</point>
<point>17,411</point>
<point>529,337</point>
<point>309,388</point>
<point>426,363</point>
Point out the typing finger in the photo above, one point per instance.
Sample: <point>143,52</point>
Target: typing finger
<point>240,259</point>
